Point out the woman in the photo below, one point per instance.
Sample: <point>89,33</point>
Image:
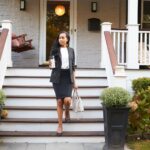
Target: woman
<point>63,76</point>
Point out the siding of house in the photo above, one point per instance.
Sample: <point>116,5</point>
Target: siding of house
<point>88,43</point>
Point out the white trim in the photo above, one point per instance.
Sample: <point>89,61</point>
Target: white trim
<point>73,27</point>
<point>42,46</point>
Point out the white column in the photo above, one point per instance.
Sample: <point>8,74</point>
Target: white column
<point>106,26</point>
<point>42,46</point>
<point>132,38</point>
<point>8,25</point>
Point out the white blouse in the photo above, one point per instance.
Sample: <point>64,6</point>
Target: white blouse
<point>64,58</point>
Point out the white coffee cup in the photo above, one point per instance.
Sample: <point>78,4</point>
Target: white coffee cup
<point>52,60</point>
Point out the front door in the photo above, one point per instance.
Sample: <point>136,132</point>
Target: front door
<point>59,16</point>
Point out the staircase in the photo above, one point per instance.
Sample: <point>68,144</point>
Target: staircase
<point>32,107</point>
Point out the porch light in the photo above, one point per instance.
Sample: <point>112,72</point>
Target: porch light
<point>22,4</point>
<point>60,10</point>
<point>93,6</point>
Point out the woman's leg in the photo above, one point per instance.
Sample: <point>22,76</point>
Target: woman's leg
<point>67,103</point>
<point>60,115</point>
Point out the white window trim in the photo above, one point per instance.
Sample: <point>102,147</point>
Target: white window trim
<point>73,28</point>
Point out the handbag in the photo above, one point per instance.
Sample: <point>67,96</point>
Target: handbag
<point>77,102</point>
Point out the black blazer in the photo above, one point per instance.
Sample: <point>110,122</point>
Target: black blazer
<point>55,75</point>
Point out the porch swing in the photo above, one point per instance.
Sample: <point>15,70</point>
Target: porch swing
<point>20,44</point>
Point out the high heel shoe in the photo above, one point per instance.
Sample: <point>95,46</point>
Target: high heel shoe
<point>59,131</point>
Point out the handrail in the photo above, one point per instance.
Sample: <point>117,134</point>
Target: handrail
<point>111,51</point>
<point>119,29</point>
<point>3,38</point>
<point>3,54</point>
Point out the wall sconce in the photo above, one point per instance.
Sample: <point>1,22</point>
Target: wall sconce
<point>93,6</point>
<point>22,4</point>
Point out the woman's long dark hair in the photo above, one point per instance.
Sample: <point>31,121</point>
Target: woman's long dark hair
<point>56,42</point>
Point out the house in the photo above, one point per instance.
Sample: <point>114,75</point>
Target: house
<point>26,84</point>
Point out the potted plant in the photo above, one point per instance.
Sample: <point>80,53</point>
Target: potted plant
<point>2,99</point>
<point>115,108</point>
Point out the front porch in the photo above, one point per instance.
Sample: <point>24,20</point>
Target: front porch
<point>88,45</point>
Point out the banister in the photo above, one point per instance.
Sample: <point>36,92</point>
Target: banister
<point>3,38</point>
<point>111,51</point>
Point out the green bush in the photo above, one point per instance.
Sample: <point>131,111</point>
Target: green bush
<point>140,83</point>
<point>2,99</point>
<point>115,97</point>
<point>139,115</point>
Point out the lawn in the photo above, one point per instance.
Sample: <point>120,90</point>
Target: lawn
<point>139,145</point>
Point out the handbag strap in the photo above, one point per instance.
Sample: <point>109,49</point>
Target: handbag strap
<point>75,92</point>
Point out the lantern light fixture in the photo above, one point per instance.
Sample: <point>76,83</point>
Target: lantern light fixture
<point>60,10</point>
<point>93,6</point>
<point>22,5</point>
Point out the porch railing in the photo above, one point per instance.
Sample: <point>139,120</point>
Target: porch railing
<point>3,55</point>
<point>120,43</point>
<point>115,73</point>
<point>5,49</point>
<point>144,48</point>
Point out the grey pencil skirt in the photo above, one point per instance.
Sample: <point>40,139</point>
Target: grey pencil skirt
<point>64,87</point>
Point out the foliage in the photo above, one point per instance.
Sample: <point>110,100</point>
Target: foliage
<point>140,83</point>
<point>139,115</point>
<point>4,113</point>
<point>115,97</point>
<point>2,99</point>
<point>139,145</point>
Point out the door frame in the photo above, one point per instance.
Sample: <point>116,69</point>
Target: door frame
<point>73,28</point>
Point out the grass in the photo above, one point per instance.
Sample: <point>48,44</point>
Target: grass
<point>139,145</point>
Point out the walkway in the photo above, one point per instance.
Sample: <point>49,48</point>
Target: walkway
<point>53,146</point>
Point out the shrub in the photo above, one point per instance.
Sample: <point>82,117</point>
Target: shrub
<point>140,83</point>
<point>2,99</point>
<point>115,97</point>
<point>139,115</point>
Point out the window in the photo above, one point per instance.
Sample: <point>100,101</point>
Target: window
<point>145,14</point>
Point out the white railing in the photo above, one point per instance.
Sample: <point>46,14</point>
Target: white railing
<point>5,49</point>
<point>144,48</point>
<point>115,72</point>
<point>120,45</point>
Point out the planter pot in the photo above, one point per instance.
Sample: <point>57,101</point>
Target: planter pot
<point>115,125</point>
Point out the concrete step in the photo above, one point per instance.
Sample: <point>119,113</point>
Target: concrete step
<point>46,108</point>
<point>51,133</point>
<point>46,102</point>
<point>5,126</point>
<point>31,105</point>
<point>13,137</point>
<point>53,114</point>
<point>40,81</point>
<point>47,91</point>
<point>47,72</point>
<point>50,120</point>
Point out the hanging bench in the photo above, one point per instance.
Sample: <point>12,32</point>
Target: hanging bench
<point>20,44</point>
